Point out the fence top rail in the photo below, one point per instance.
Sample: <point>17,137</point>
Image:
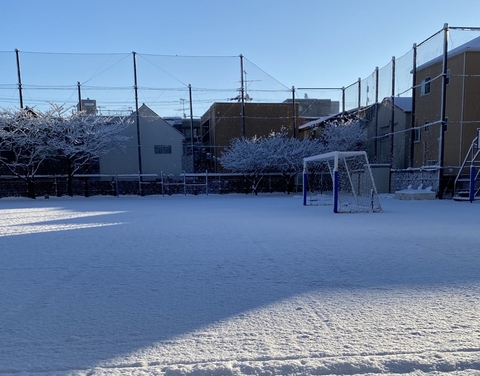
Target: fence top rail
<point>221,174</point>
<point>84,176</point>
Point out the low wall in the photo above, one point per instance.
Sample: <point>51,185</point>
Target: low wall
<point>413,178</point>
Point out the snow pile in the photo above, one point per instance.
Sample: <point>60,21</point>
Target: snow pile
<point>237,285</point>
<point>416,194</point>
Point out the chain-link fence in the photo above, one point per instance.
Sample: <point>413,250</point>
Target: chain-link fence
<point>164,185</point>
<point>162,82</point>
<point>420,109</point>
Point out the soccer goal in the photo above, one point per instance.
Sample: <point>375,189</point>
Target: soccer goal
<point>342,179</point>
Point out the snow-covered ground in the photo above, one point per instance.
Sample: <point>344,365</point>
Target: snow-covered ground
<point>237,285</point>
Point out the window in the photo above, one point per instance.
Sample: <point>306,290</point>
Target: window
<point>163,149</point>
<point>416,135</point>
<point>427,126</point>
<point>425,86</point>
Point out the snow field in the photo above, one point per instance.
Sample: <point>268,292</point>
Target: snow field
<point>237,285</point>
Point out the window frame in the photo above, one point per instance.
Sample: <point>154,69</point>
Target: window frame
<point>162,149</point>
<point>425,88</point>
<point>417,136</point>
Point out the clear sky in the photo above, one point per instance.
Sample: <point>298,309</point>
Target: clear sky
<point>301,43</point>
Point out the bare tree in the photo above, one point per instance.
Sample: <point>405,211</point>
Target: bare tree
<point>81,139</point>
<point>288,154</point>
<point>250,157</point>
<point>25,143</point>
<point>28,138</point>
<point>276,153</point>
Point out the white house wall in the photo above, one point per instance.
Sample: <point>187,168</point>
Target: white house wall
<point>153,131</point>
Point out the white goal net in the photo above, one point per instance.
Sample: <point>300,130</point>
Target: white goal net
<point>342,179</point>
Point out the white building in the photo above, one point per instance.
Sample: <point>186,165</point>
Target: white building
<point>161,148</point>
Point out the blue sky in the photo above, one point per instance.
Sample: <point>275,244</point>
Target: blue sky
<point>302,43</point>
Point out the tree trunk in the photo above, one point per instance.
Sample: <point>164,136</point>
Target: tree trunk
<point>31,189</point>
<point>69,178</point>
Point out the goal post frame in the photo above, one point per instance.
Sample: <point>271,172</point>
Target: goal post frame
<point>336,157</point>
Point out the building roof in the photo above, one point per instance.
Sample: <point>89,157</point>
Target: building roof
<point>146,112</point>
<point>318,121</point>
<point>403,103</point>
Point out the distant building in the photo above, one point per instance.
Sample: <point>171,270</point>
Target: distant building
<point>187,126</point>
<point>224,121</point>
<point>89,106</point>
<point>161,148</point>
<point>387,144</point>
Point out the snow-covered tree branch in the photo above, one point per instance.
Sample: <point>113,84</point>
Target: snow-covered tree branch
<point>282,154</point>
<point>276,153</point>
<point>249,157</point>
<point>343,136</point>
<point>83,138</point>
<point>288,153</point>
<point>25,143</point>
<point>29,138</point>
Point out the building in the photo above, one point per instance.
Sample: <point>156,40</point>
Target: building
<point>387,144</point>
<point>161,147</point>
<point>462,108</point>
<point>224,121</point>
<point>89,106</point>
<point>188,127</point>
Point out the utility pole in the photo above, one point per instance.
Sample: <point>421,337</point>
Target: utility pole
<point>182,101</point>
<point>79,97</point>
<point>17,53</point>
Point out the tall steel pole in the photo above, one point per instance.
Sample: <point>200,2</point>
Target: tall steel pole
<point>414,96</point>
<point>242,95</point>
<point>392,115</point>
<point>294,115</point>
<point>17,53</point>
<point>191,125</point>
<point>375,144</point>
<point>359,93</point>
<point>443,124</point>
<point>137,117</point>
